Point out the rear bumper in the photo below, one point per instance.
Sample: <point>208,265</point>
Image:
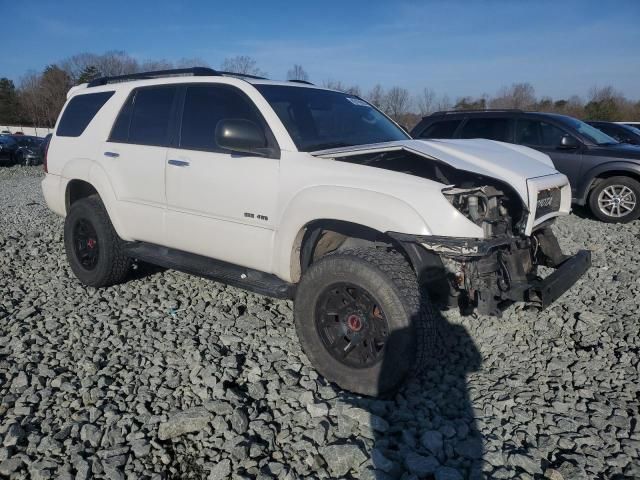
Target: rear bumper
<point>489,275</point>
<point>54,194</point>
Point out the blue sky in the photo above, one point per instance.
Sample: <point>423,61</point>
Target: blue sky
<point>458,48</point>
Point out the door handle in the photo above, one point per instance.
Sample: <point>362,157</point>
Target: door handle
<point>179,163</point>
<point>111,154</point>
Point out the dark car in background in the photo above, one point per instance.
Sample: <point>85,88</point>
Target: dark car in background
<point>8,147</point>
<point>21,149</point>
<point>29,151</point>
<point>621,132</point>
<point>604,173</point>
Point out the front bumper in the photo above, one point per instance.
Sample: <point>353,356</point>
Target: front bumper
<point>547,290</point>
<point>491,274</point>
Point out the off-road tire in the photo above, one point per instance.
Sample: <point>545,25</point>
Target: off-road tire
<point>388,277</point>
<point>628,182</point>
<point>112,264</point>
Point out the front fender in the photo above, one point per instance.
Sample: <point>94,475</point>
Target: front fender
<point>368,208</point>
<point>589,177</point>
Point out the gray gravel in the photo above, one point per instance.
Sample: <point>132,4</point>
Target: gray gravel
<point>172,376</point>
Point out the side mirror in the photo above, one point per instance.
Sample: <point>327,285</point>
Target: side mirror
<point>239,135</point>
<point>568,142</point>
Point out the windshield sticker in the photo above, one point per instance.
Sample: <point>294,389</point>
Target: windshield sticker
<point>358,102</point>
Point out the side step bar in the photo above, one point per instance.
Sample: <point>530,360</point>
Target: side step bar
<point>235,275</point>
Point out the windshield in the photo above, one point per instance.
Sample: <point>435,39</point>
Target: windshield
<point>591,133</point>
<point>322,119</point>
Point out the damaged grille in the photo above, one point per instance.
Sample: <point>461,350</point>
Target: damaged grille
<point>548,201</point>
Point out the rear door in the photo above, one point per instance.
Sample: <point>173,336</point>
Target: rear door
<point>135,157</point>
<point>441,129</point>
<point>220,204</point>
<point>545,136</point>
<point>491,128</point>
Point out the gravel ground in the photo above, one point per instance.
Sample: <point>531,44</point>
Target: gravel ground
<point>172,376</point>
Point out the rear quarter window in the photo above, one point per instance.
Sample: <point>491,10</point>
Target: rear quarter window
<point>79,113</point>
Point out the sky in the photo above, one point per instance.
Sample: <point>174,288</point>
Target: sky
<point>561,47</point>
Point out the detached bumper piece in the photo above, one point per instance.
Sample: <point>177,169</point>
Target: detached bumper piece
<point>546,291</point>
<point>488,275</point>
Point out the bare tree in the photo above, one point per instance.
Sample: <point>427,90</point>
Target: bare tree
<point>341,87</point>
<point>191,62</point>
<point>298,73</point>
<point>154,65</point>
<point>110,63</point>
<point>426,101</point>
<point>397,102</point>
<point>518,95</point>
<point>376,97</point>
<point>53,86</point>
<point>443,103</point>
<point>30,99</point>
<point>242,64</point>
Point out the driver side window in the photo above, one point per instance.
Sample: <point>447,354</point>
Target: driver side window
<point>538,133</point>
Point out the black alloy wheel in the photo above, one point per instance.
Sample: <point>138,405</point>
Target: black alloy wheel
<point>85,241</point>
<point>352,325</point>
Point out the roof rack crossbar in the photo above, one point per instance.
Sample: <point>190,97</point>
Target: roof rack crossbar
<point>306,82</point>
<point>194,71</point>
<point>240,75</point>
<point>473,110</point>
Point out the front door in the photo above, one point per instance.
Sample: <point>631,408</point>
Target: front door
<point>220,204</point>
<point>546,137</point>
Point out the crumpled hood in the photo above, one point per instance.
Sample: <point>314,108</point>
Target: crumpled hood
<point>512,164</point>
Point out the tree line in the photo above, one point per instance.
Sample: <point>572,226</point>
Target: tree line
<point>39,96</point>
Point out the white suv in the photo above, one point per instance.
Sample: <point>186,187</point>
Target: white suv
<point>295,191</point>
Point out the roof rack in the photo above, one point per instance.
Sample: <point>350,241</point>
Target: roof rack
<point>486,110</point>
<point>194,71</point>
<point>240,75</point>
<point>306,82</point>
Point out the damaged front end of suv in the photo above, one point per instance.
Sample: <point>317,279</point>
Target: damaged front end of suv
<point>512,215</point>
<point>489,273</point>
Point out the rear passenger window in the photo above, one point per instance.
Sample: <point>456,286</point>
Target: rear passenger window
<point>151,116</point>
<point>490,128</point>
<point>79,113</point>
<point>444,129</point>
<point>204,107</point>
<point>145,118</point>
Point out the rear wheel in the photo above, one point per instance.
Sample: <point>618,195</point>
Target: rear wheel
<point>93,248</point>
<point>362,320</point>
<point>616,200</point>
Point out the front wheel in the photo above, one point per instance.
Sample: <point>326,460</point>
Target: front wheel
<point>362,320</point>
<point>616,200</point>
<point>93,248</point>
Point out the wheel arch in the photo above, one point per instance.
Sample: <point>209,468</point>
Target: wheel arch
<point>359,214</point>
<point>608,170</point>
<point>88,180</point>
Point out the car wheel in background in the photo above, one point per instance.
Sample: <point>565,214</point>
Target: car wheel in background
<point>616,200</point>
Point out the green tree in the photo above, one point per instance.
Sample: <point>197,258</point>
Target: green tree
<point>9,108</point>
<point>89,73</point>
